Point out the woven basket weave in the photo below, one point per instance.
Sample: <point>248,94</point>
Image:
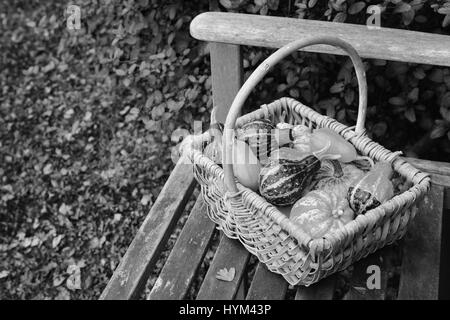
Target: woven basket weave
<point>266,232</point>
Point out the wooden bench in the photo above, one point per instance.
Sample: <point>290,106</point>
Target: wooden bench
<point>423,266</point>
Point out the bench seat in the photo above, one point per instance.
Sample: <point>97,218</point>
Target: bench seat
<point>420,269</point>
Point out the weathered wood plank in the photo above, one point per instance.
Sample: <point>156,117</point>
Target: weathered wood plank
<point>226,73</point>
<point>419,278</point>
<point>229,254</point>
<point>274,32</point>
<point>186,256</point>
<point>266,285</point>
<point>240,294</point>
<point>359,289</point>
<point>132,273</point>
<point>440,179</point>
<point>322,290</point>
<point>440,168</point>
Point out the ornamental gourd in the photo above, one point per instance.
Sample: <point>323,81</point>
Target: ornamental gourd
<point>372,189</point>
<point>263,137</point>
<point>214,149</point>
<point>302,138</point>
<point>287,176</point>
<point>320,212</point>
<point>336,176</point>
<point>326,143</point>
<point>246,166</point>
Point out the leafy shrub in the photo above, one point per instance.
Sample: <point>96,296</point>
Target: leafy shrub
<point>85,123</point>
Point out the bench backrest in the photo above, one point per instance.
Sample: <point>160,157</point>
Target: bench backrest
<point>227,31</point>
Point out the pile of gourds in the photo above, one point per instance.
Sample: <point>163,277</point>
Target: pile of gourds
<point>316,173</point>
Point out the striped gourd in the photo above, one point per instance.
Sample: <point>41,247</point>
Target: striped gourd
<point>263,137</point>
<point>372,189</point>
<point>287,176</point>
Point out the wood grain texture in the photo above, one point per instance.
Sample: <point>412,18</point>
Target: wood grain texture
<point>229,254</point>
<point>440,180</point>
<point>274,32</point>
<point>439,173</point>
<point>322,290</point>
<point>132,273</point>
<point>266,285</point>
<point>226,73</point>
<point>358,283</point>
<point>440,168</point>
<point>240,294</point>
<point>186,256</point>
<point>419,278</point>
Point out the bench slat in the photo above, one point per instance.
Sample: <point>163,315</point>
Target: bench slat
<point>132,273</point>
<point>179,270</point>
<point>230,254</point>
<point>266,285</point>
<point>274,32</point>
<point>358,282</point>
<point>419,278</point>
<point>440,168</point>
<point>322,290</point>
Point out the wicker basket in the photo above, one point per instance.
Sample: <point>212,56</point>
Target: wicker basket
<point>266,232</point>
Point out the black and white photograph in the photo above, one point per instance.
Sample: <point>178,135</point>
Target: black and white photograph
<point>226,155</point>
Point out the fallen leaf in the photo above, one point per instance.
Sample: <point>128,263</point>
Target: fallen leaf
<point>57,280</point>
<point>48,169</point>
<point>73,282</point>
<point>48,67</point>
<point>226,275</point>
<point>146,199</point>
<point>63,294</point>
<point>35,241</point>
<point>87,116</point>
<point>4,274</point>
<point>64,209</point>
<point>56,240</point>
<point>132,114</point>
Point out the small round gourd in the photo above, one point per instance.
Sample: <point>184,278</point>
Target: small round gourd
<point>320,212</point>
<point>336,176</point>
<point>302,138</point>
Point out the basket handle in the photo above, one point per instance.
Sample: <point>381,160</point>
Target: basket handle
<point>262,70</point>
